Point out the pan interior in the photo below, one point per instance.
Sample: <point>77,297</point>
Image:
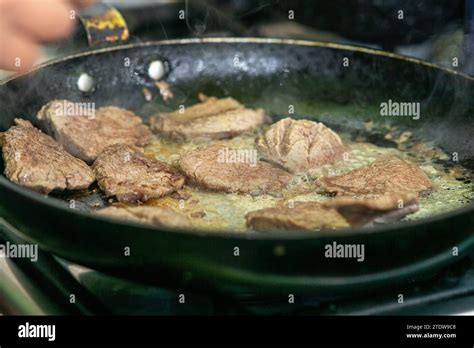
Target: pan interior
<point>225,212</point>
<point>287,81</point>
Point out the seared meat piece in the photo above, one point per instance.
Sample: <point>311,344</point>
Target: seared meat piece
<point>387,175</point>
<point>35,160</point>
<point>209,168</point>
<point>373,210</point>
<point>126,173</point>
<point>159,216</point>
<point>305,216</point>
<point>211,119</point>
<point>336,213</point>
<point>300,145</point>
<point>208,106</point>
<point>86,135</point>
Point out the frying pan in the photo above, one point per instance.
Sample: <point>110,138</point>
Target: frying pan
<point>258,72</point>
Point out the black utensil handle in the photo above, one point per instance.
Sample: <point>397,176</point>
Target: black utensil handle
<point>104,25</point>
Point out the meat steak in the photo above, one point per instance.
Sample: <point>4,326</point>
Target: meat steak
<point>85,135</point>
<point>34,160</point>
<point>210,169</point>
<point>213,118</point>
<point>158,216</point>
<point>386,175</point>
<point>125,172</point>
<point>300,145</point>
<point>367,211</point>
<point>335,213</point>
<point>303,216</point>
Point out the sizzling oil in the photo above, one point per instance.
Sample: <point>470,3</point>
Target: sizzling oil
<point>453,187</point>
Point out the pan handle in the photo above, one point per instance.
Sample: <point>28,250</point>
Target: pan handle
<point>104,25</point>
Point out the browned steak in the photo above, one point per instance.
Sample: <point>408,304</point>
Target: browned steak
<point>209,168</point>
<point>375,210</point>
<point>335,213</point>
<point>34,160</point>
<point>211,119</point>
<point>159,216</point>
<point>300,145</point>
<point>386,175</point>
<point>86,135</point>
<point>305,216</point>
<point>125,172</point>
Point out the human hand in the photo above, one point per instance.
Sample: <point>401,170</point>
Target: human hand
<point>25,24</point>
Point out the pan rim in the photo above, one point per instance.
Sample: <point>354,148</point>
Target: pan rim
<point>309,43</point>
<point>55,203</point>
<point>287,235</point>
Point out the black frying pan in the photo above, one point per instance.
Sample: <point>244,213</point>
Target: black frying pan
<point>271,74</point>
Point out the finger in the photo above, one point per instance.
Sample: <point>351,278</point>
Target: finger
<point>42,20</point>
<point>17,52</point>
